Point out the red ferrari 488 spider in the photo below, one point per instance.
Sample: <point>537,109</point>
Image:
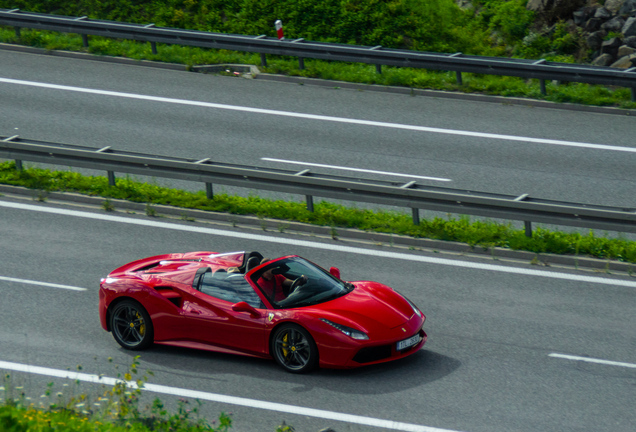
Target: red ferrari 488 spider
<point>286,308</point>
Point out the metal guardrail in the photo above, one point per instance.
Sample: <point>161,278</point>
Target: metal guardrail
<point>409,195</point>
<point>538,69</point>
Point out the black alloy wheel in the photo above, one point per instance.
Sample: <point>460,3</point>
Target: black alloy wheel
<point>131,325</point>
<point>294,349</point>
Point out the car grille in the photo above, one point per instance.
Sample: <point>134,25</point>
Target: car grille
<point>371,354</point>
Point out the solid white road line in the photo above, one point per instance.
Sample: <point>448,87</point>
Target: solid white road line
<point>592,360</point>
<point>323,246</point>
<point>232,400</point>
<point>319,117</point>
<point>46,284</point>
<point>354,169</point>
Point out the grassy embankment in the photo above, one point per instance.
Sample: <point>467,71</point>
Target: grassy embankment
<point>476,233</point>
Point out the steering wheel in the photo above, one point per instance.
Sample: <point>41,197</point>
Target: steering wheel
<point>297,282</point>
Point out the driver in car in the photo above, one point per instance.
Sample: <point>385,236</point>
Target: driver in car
<point>275,286</point>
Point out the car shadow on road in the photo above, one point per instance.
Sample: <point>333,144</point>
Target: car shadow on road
<point>416,370</point>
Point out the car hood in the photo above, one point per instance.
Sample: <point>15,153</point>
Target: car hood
<point>370,305</point>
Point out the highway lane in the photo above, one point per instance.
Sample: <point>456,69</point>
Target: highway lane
<point>484,163</point>
<point>486,367</point>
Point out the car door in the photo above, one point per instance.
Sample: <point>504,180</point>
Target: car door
<point>211,318</point>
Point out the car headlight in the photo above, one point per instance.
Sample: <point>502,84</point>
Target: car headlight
<point>351,332</point>
<point>415,309</point>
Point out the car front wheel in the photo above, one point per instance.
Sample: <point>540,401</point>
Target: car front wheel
<point>294,349</point>
<point>131,325</point>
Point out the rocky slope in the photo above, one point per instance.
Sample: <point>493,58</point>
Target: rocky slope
<point>609,29</point>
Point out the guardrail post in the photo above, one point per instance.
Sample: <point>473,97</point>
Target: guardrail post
<point>458,74</point>
<point>528,226</point>
<point>378,67</point>
<point>110,174</point>
<point>308,198</point>
<point>17,29</point>
<point>414,211</point>
<point>18,162</point>
<point>416,216</point>
<point>153,45</point>
<point>301,63</point>
<point>542,84</point>
<point>310,202</point>
<point>84,36</point>
<point>633,94</point>
<point>209,193</point>
<point>263,60</point>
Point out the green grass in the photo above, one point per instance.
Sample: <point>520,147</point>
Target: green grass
<point>477,233</point>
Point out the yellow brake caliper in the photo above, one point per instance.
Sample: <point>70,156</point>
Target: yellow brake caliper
<point>142,327</point>
<point>285,345</point>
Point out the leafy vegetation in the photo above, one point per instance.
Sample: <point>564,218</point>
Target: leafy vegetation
<point>488,28</point>
<point>462,229</point>
<point>117,409</point>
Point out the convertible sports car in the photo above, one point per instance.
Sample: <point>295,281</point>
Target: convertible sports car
<point>286,308</point>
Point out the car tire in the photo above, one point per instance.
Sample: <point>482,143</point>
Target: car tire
<point>294,349</point>
<point>131,325</point>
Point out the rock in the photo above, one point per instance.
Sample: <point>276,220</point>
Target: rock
<point>555,10</point>
<point>611,46</point>
<point>592,25</point>
<point>625,50</point>
<point>628,7</point>
<point>625,62</point>
<point>613,6</point>
<point>536,5</point>
<point>629,29</point>
<point>602,13</point>
<point>603,60</point>
<point>594,40</point>
<point>613,25</point>
<point>580,16</point>
<point>630,41</point>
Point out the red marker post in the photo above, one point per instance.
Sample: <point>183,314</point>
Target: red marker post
<point>279,29</point>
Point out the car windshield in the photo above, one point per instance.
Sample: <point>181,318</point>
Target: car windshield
<point>296,282</point>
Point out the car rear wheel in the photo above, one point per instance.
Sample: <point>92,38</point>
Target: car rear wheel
<point>294,349</point>
<point>131,325</point>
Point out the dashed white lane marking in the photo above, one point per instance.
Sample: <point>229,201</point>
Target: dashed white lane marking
<point>45,284</point>
<point>323,246</point>
<point>592,360</point>
<point>343,168</point>
<point>221,398</point>
<point>320,117</point>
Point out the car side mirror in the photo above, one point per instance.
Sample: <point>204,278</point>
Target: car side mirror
<point>335,271</point>
<point>244,307</point>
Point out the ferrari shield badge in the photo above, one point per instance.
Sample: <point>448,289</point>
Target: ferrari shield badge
<point>270,317</point>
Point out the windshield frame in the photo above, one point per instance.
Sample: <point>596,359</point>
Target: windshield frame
<point>321,286</point>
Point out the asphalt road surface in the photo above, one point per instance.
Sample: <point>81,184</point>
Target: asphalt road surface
<point>512,347</point>
<point>547,153</point>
